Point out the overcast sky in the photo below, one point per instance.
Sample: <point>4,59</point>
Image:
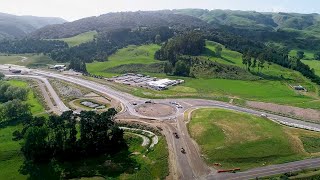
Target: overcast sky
<point>76,9</point>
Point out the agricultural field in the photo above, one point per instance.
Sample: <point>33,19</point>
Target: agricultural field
<point>79,39</point>
<point>29,60</point>
<point>238,140</point>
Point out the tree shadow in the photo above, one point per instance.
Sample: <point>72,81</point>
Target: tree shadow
<point>211,53</point>
<point>270,77</point>
<point>109,165</point>
<point>228,60</point>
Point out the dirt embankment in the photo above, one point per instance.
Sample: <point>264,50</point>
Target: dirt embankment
<point>306,114</point>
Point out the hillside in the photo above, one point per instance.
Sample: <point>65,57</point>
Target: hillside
<point>291,30</point>
<point>119,20</point>
<point>12,26</point>
<point>252,19</point>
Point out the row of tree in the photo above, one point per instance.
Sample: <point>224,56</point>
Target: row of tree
<point>60,138</point>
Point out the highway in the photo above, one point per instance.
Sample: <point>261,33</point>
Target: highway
<point>183,166</point>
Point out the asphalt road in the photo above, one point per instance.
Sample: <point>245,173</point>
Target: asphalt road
<point>189,165</point>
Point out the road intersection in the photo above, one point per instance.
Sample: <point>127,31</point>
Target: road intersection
<point>183,166</point>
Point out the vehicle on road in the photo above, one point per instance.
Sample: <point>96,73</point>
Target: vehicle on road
<point>176,135</point>
<point>264,115</point>
<point>148,102</point>
<point>183,150</point>
<point>134,103</point>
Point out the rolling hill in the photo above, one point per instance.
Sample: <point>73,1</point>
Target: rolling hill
<point>111,21</point>
<point>12,26</point>
<point>252,19</point>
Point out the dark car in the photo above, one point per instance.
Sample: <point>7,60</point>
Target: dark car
<point>176,135</point>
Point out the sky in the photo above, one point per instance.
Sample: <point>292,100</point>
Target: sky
<point>77,9</point>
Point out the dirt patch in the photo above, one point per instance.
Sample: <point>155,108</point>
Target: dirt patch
<point>197,130</point>
<point>155,110</point>
<point>307,114</point>
<point>295,141</point>
<point>233,131</point>
<point>92,94</point>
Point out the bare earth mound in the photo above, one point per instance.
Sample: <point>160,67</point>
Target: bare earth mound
<point>155,110</point>
<point>307,114</point>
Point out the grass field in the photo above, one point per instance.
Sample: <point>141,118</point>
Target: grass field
<point>308,55</point>
<point>238,140</point>
<point>79,39</point>
<point>129,55</point>
<point>32,60</point>
<point>11,157</point>
<point>313,64</point>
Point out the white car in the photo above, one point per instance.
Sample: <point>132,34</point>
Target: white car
<point>264,115</point>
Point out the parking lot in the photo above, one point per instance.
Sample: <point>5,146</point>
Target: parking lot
<point>140,80</point>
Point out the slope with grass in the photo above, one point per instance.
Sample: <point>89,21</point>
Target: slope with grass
<point>238,140</point>
<point>79,39</point>
<point>314,64</point>
<point>130,55</point>
<point>29,60</point>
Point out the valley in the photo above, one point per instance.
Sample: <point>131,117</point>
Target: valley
<point>92,98</point>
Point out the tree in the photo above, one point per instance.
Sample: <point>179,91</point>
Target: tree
<point>261,62</point>
<point>16,111</point>
<point>218,50</point>
<point>168,68</point>
<point>1,75</point>
<point>181,69</point>
<point>35,144</point>
<point>246,60</point>
<point>317,56</point>
<point>157,39</point>
<point>300,55</point>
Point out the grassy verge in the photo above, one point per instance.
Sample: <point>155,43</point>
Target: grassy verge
<point>306,174</point>
<point>238,140</point>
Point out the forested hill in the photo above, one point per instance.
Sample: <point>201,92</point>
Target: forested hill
<point>120,20</point>
<point>252,19</point>
<point>12,26</point>
<point>291,30</point>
